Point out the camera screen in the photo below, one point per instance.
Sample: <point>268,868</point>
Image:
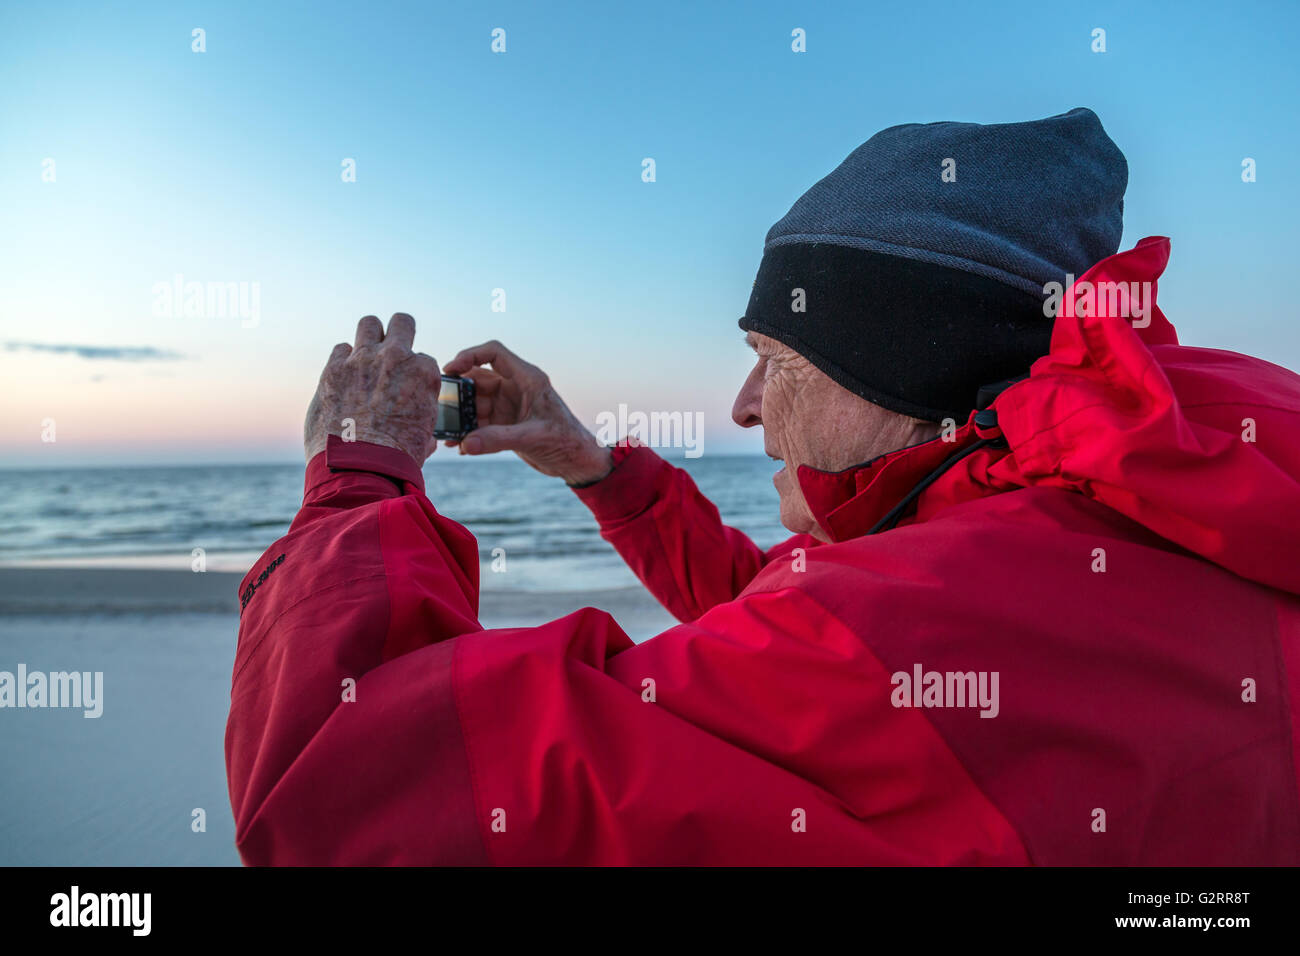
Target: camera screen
<point>449,406</point>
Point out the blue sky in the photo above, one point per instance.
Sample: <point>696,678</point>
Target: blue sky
<point>522,171</point>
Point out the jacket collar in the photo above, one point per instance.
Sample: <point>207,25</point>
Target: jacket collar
<point>849,503</point>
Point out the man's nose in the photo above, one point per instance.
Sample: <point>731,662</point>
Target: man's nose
<point>747,409</point>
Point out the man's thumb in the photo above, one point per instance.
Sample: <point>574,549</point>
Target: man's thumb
<point>493,438</point>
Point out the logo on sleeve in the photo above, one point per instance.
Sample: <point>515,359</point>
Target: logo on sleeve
<point>261,579</point>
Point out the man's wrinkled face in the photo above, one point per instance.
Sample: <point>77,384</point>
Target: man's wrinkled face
<point>809,419</point>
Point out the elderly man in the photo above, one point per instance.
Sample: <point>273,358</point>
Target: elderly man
<point>1039,606</point>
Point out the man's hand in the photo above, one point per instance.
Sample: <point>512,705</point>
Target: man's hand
<point>519,411</point>
<point>389,392</point>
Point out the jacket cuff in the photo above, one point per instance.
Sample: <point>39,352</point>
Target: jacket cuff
<point>629,489</point>
<point>340,455</point>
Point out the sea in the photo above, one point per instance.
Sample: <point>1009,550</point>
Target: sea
<point>227,515</point>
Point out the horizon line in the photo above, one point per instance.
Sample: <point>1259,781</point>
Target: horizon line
<point>302,464</point>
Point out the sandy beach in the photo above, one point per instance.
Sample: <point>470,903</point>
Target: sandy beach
<point>121,789</point>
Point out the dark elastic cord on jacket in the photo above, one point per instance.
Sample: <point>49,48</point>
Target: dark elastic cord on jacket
<point>896,512</point>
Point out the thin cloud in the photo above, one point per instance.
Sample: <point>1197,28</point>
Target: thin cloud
<point>112,353</point>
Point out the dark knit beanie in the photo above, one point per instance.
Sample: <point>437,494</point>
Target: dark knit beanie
<point>914,273</point>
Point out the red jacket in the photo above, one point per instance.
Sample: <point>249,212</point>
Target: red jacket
<point>1128,568</point>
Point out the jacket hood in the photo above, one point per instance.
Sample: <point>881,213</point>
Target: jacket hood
<point>1197,445</point>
